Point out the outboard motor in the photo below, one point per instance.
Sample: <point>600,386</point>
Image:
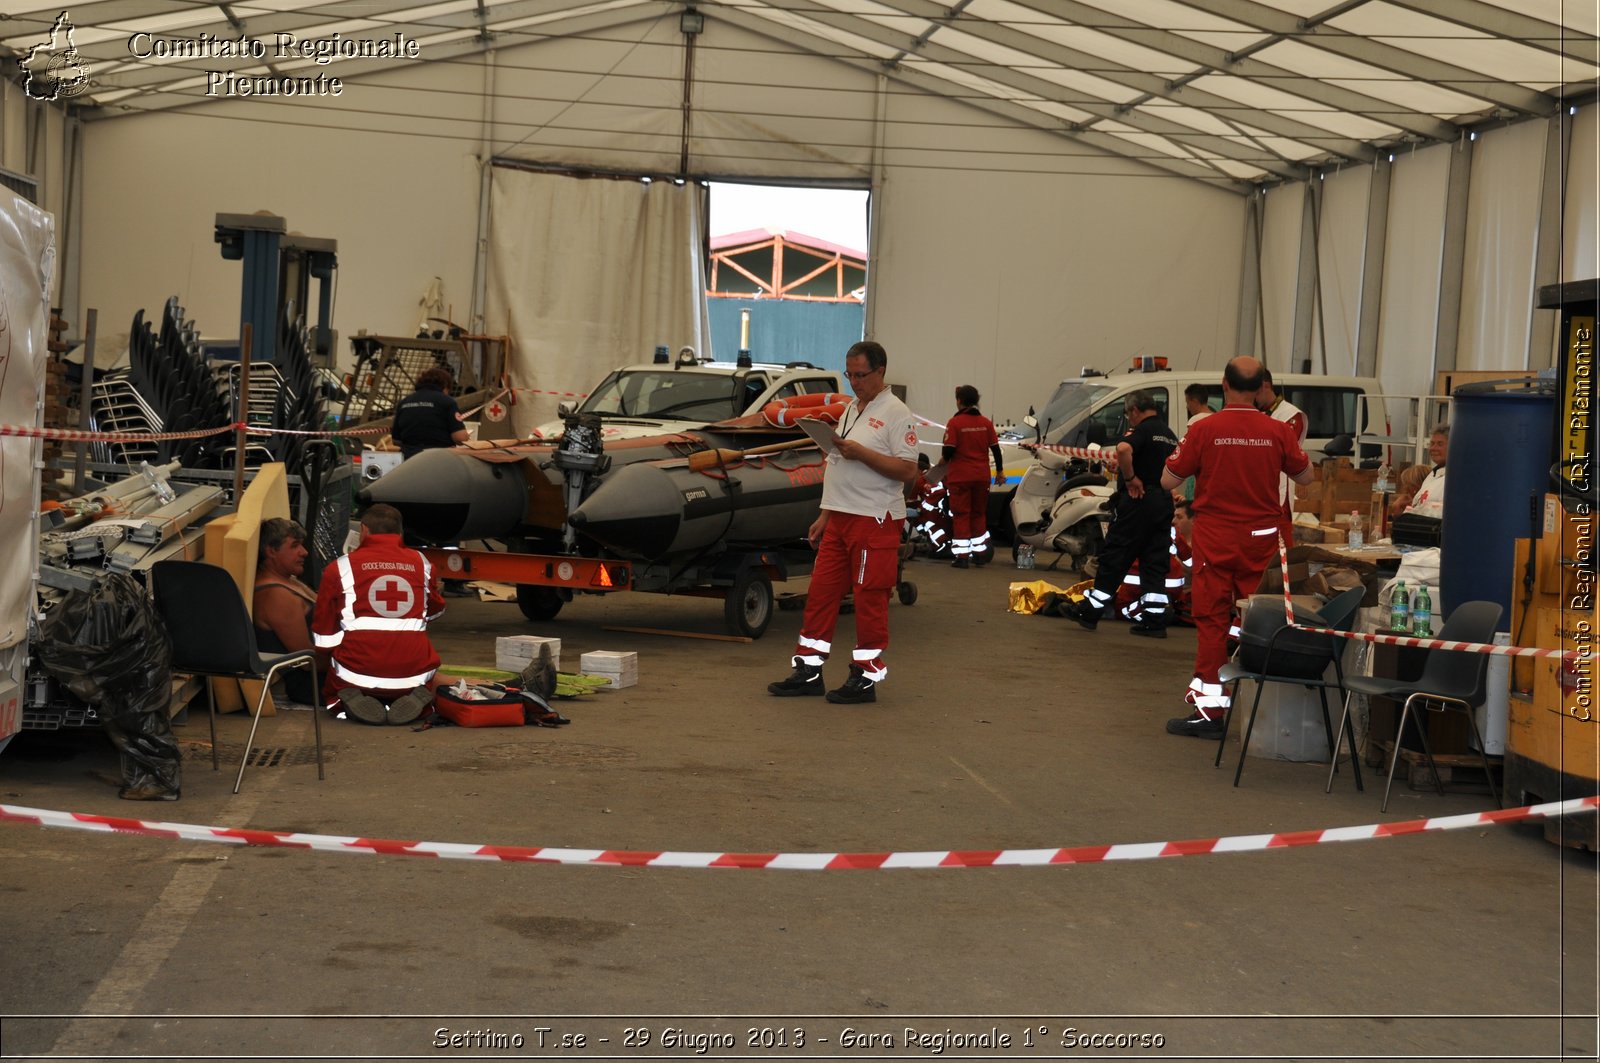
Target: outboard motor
<point>580,457</point>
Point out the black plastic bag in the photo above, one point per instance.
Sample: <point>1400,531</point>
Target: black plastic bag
<point>109,647</point>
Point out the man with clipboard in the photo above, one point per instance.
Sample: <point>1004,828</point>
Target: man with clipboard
<point>857,534</point>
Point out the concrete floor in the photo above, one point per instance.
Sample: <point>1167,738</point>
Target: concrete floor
<point>993,731</point>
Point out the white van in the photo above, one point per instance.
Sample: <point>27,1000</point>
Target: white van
<point>1089,409</point>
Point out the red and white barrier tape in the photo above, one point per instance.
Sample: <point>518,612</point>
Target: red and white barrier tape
<point>558,394</point>
<point>73,435</point>
<point>1085,854</point>
<point>1091,453</point>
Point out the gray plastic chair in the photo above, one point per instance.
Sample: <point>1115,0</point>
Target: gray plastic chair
<point>1452,679</point>
<point>212,635</point>
<point>1289,655</point>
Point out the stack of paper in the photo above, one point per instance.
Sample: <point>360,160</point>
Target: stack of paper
<point>621,668</point>
<point>513,653</point>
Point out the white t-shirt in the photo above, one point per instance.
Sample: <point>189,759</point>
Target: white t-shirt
<point>1287,411</point>
<point>888,427</point>
<point>1429,499</point>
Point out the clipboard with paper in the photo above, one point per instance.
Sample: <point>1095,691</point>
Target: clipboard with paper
<point>821,433</point>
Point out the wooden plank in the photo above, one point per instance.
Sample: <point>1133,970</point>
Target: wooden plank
<point>678,634</point>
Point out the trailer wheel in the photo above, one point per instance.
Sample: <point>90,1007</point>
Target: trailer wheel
<point>748,606</point>
<point>539,603</point>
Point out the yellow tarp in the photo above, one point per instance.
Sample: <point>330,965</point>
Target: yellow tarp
<point>1025,597</point>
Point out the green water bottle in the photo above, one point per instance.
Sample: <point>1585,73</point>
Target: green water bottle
<point>1400,608</point>
<point>1422,613</point>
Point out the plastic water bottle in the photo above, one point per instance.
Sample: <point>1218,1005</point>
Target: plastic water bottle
<point>1356,540</point>
<point>1422,613</point>
<point>1025,557</point>
<point>1385,482</point>
<point>1400,608</point>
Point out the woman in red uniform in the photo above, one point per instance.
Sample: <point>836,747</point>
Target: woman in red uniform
<point>969,438</point>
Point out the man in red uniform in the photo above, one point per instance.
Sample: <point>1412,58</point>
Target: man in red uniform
<point>857,534</point>
<point>969,438</point>
<point>371,617</point>
<point>1236,456</point>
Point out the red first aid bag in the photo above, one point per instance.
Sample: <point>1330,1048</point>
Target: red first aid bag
<point>499,709</point>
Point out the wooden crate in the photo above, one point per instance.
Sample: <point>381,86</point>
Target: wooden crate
<point>1458,772</point>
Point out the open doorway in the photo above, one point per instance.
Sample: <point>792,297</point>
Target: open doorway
<point>796,260</point>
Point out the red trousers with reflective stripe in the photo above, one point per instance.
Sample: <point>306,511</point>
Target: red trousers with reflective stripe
<point>969,509</point>
<point>1228,563</point>
<point>859,555</point>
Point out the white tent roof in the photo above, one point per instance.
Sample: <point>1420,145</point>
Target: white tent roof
<point>1228,91</point>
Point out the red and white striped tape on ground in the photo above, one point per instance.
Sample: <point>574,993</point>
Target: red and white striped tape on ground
<point>1085,854</point>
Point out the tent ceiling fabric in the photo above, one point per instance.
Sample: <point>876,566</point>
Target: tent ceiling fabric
<point>1235,92</point>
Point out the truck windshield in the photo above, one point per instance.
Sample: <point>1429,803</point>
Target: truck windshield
<point>1069,405</point>
<point>667,393</point>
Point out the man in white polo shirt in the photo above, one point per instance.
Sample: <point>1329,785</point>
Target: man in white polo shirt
<point>857,534</point>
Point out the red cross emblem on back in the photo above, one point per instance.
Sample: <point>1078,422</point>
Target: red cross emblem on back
<point>495,412</point>
<point>390,596</point>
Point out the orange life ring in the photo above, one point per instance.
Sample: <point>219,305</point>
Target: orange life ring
<point>826,406</point>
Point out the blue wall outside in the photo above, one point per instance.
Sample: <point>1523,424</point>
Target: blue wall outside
<point>787,330</point>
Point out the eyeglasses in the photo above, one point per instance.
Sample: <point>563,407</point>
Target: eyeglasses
<point>863,376</point>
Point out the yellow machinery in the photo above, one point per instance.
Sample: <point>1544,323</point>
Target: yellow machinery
<point>1553,735</point>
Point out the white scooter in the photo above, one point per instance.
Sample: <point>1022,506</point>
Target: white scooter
<point>1062,505</point>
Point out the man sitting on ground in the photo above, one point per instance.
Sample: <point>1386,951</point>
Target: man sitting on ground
<point>371,619</point>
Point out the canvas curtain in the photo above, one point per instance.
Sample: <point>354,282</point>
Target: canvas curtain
<point>27,263</point>
<point>587,274</point>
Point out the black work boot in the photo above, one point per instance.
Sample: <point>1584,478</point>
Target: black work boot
<point>805,682</point>
<point>1086,613</point>
<point>1150,629</point>
<point>857,690</point>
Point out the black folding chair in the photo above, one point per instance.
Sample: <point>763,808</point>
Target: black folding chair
<point>212,635</point>
<point>1451,679</point>
<point>1270,651</point>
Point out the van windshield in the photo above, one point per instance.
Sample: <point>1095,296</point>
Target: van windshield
<point>1071,402</point>
<point>666,393</point>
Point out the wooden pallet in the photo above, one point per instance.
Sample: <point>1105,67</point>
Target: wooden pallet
<point>1459,771</point>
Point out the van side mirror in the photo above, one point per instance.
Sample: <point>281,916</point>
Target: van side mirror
<point>566,409</point>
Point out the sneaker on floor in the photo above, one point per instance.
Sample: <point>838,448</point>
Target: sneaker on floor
<point>539,678</point>
<point>1150,629</point>
<point>1195,725</point>
<point>363,707</point>
<point>857,690</point>
<point>805,682</point>
<point>407,707</point>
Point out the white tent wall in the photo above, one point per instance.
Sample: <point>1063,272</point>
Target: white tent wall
<point>1011,282</point>
<point>1341,242</point>
<point>1280,272</point>
<point>398,193</point>
<point>1580,222</point>
<point>1497,293</point>
<point>1411,271</point>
